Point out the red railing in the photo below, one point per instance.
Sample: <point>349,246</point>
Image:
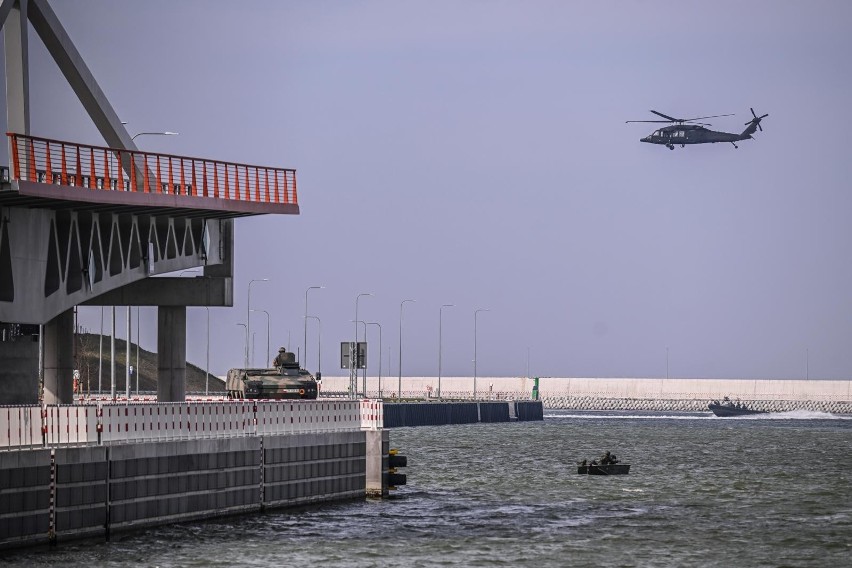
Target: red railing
<point>99,168</point>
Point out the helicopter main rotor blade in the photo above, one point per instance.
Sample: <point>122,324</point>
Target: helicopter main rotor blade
<point>670,119</point>
<point>666,121</point>
<point>703,117</point>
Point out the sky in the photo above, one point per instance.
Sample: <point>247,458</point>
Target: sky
<point>476,154</point>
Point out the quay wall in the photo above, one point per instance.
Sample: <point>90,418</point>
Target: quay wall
<point>436,413</point>
<point>659,394</point>
<point>56,494</point>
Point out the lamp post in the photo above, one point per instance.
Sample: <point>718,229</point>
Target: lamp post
<point>154,134</point>
<point>305,352</point>
<point>267,332</point>
<point>399,383</point>
<point>248,316</point>
<point>475,313</point>
<point>100,351</point>
<point>207,367</point>
<point>138,340</point>
<point>319,345</point>
<point>440,342</point>
<point>353,359</point>
<point>380,354</point>
<point>244,327</point>
<point>112,358</point>
<point>127,357</point>
<point>364,384</point>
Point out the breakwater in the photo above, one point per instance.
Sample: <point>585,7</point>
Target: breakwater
<point>686,395</point>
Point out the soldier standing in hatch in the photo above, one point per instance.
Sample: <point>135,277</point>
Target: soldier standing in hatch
<point>280,358</point>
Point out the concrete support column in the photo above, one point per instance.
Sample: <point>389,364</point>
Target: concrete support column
<point>376,466</point>
<point>171,353</point>
<point>59,359</point>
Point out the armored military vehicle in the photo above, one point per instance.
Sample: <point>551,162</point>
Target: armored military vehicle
<point>286,379</point>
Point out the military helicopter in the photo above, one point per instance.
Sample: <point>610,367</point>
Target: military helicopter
<point>683,134</point>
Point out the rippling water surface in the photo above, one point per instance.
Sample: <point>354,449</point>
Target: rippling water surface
<point>774,490</point>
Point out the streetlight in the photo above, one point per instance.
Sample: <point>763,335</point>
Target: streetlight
<point>475,313</point>
<point>319,346</point>
<point>380,354</point>
<point>154,134</point>
<point>127,356</point>
<point>267,333</point>
<point>305,352</point>
<point>245,327</point>
<point>440,342</point>
<point>207,368</point>
<point>353,374</point>
<point>399,383</point>
<point>100,351</point>
<point>248,315</point>
<point>364,384</point>
<point>112,359</point>
<point>138,340</point>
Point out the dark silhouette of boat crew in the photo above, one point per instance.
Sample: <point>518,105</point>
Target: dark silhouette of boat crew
<point>607,464</point>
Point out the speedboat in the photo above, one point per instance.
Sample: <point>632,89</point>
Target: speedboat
<point>727,409</point>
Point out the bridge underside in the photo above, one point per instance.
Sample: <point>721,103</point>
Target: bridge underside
<point>57,253</point>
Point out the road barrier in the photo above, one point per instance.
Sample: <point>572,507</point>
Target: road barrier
<point>23,427</point>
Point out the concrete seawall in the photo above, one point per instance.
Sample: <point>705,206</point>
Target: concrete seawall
<point>54,495</point>
<point>776,395</point>
<point>446,413</point>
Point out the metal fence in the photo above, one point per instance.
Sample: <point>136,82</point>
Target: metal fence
<point>69,164</point>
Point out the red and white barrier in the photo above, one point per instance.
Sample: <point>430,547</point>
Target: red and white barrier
<point>20,427</point>
<point>122,422</point>
<point>70,424</point>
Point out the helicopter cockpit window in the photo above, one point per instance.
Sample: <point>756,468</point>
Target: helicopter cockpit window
<point>657,133</point>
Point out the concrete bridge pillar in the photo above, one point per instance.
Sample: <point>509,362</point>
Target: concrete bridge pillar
<point>59,359</point>
<point>171,353</point>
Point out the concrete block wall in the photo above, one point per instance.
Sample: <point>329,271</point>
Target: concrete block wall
<point>444,413</point>
<point>80,489</point>
<point>159,483</point>
<point>26,478</point>
<point>310,468</point>
<point>54,495</point>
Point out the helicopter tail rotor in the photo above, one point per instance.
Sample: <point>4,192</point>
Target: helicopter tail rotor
<point>755,122</point>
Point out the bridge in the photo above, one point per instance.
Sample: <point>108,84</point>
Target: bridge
<point>100,225</point>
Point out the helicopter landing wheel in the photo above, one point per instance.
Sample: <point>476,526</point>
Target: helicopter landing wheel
<point>670,146</point>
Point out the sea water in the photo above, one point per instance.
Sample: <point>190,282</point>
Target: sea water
<point>769,490</point>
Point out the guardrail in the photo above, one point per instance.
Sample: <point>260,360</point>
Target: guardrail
<point>82,166</point>
<point>111,423</point>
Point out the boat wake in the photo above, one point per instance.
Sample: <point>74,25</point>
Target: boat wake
<point>637,416</point>
<point>789,415</point>
<point>799,415</point>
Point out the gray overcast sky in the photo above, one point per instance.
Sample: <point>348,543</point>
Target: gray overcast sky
<point>476,154</point>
